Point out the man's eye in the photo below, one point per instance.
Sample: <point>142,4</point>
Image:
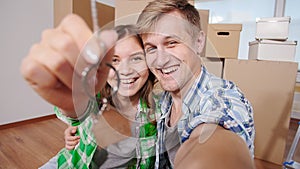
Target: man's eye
<point>172,43</point>
<point>150,50</point>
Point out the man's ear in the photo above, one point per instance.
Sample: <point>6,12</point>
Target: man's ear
<point>200,42</point>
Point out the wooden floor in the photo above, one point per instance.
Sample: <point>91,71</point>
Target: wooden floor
<point>31,144</point>
<point>28,146</point>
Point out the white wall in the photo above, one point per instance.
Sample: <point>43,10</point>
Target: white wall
<point>21,25</point>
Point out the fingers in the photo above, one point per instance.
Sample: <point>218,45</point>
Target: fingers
<point>82,38</point>
<point>36,74</point>
<point>62,54</point>
<point>93,48</point>
<point>62,43</point>
<point>97,49</point>
<point>70,145</point>
<point>52,60</point>
<point>56,68</point>
<point>76,27</point>
<point>70,139</point>
<point>107,40</point>
<point>103,70</point>
<point>70,131</point>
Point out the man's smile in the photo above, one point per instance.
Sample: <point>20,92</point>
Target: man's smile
<point>170,69</point>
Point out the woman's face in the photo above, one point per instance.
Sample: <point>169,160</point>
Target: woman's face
<point>129,61</point>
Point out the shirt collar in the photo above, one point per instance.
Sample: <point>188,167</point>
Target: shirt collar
<point>166,104</point>
<point>191,96</point>
<point>195,92</point>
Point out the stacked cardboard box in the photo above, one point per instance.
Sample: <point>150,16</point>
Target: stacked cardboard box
<point>272,45</point>
<point>222,42</point>
<point>268,81</point>
<point>269,85</point>
<point>271,40</point>
<point>82,8</point>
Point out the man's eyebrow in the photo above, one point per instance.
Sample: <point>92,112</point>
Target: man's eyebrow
<point>165,38</point>
<point>173,37</point>
<point>147,44</point>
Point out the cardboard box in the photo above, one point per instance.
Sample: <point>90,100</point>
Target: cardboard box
<point>269,86</point>
<point>82,8</point>
<point>276,28</point>
<point>127,11</point>
<point>60,10</point>
<point>213,65</point>
<point>223,40</point>
<point>272,50</point>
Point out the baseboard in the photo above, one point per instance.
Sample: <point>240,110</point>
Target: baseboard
<point>19,123</point>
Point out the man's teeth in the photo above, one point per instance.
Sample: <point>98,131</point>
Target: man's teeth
<point>127,81</point>
<point>169,70</point>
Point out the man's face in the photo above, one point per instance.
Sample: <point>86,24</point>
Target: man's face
<point>171,53</point>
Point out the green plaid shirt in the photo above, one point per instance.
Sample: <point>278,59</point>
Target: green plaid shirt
<point>82,155</point>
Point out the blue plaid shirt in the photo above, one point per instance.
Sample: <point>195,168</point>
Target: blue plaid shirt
<point>209,100</point>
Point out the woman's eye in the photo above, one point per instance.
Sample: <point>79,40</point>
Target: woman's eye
<point>136,58</point>
<point>115,61</point>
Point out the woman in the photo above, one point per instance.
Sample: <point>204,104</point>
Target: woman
<point>132,125</point>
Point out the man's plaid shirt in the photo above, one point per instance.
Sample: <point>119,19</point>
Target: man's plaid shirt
<point>209,100</point>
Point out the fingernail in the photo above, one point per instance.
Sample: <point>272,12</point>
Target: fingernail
<point>91,54</point>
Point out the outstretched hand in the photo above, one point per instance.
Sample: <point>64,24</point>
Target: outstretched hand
<point>61,55</point>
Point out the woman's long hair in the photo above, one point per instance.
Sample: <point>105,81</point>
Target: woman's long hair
<point>125,31</point>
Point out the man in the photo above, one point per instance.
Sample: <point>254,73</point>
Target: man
<point>206,122</point>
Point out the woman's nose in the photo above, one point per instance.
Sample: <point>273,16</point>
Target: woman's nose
<point>124,68</point>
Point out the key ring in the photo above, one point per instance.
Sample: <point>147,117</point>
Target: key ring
<point>86,73</point>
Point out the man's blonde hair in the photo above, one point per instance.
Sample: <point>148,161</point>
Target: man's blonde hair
<point>157,8</point>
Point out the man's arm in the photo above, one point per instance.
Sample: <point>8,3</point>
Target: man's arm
<point>211,147</point>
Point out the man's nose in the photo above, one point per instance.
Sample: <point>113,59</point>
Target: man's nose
<point>162,58</point>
